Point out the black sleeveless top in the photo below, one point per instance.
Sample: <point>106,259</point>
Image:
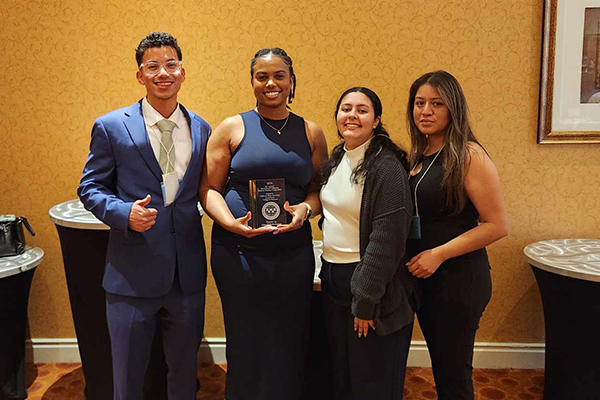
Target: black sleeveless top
<point>438,224</point>
<point>264,154</point>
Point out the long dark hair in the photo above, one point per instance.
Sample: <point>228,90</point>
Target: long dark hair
<point>457,136</point>
<point>381,140</point>
<point>276,51</point>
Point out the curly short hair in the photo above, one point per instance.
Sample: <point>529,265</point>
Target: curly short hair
<point>156,39</point>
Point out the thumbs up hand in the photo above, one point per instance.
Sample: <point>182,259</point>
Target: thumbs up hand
<point>141,218</point>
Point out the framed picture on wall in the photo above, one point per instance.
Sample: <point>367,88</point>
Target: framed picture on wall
<point>570,82</point>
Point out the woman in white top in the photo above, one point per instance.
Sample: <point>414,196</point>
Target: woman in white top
<point>366,218</point>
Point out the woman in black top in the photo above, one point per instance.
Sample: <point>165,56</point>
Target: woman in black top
<point>366,216</point>
<point>460,210</point>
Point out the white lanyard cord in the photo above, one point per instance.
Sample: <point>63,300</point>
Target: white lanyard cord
<point>423,176</point>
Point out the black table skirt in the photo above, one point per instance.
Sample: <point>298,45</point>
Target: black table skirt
<point>571,316</point>
<point>84,253</point>
<point>14,297</point>
<point>319,375</point>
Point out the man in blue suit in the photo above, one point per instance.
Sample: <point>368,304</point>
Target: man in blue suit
<point>141,178</point>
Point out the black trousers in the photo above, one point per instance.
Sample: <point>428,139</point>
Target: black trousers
<point>454,298</point>
<point>371,367</point>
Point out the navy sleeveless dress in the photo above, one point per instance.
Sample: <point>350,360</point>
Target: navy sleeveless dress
<point>265,283</point>
<point>456,295</point>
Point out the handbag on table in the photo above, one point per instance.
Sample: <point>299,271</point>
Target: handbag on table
<point>12,237</point>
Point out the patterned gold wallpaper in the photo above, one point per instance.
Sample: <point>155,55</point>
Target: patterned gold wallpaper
<point>65,62</point>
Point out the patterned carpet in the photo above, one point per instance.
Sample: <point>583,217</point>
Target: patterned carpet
<point>65,382</point>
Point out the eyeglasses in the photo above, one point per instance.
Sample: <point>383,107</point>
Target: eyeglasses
<point>153,68</point>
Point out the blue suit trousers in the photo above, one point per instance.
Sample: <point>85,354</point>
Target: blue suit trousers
<point>132,322</point>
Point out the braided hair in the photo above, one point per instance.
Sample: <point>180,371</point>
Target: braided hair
<point>286,59</point>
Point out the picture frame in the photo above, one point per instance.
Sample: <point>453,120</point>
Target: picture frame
<point>570,75</point>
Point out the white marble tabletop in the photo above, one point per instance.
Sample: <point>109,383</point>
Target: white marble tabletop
<point>575,258</point>
<point>71,214</point>
<point>13,265</point>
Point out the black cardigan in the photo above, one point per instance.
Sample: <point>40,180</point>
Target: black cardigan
<point>382,287</point>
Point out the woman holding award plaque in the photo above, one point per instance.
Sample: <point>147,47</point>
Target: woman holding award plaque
<point>257,186</point>
<point>459,211</point>
<point>369,297</point>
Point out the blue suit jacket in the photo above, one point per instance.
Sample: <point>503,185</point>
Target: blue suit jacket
<point>122,168</point>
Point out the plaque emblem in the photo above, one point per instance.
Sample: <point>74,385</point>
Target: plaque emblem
<point>271,210</point>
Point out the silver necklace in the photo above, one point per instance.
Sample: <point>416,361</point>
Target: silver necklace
<point>271,126</point>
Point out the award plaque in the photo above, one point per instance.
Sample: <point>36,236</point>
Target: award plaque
<point>266,202</point>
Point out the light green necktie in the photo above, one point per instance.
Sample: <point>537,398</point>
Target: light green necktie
<point>166,159</point>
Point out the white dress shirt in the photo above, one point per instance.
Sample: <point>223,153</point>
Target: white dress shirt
<point>182,138</point>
